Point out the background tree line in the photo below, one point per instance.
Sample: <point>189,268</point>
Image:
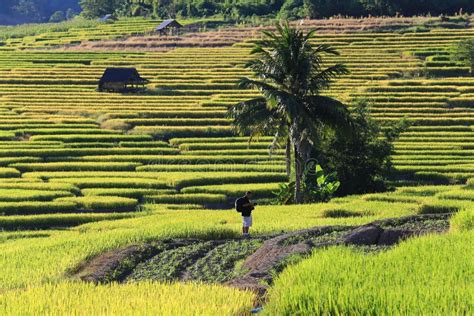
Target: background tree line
<point>25,11</point>
<point>21,11</point>
<point>278,8</point>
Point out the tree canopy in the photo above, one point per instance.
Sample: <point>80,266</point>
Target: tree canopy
<point>25,11</point>
<point>20,11</point>
<point>287,9</point>
<point>291,73</point>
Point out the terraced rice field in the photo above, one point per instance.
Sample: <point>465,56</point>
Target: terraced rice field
<point>57,128</point>
<point>145,165</point>
<point>91,31</point>
<point>37,266</point>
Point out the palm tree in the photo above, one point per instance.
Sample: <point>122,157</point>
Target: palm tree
<point>290,75</point>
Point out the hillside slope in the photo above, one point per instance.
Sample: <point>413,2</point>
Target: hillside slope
<point>56,127</point>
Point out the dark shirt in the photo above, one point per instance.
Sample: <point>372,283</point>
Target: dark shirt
<point>246,210</point>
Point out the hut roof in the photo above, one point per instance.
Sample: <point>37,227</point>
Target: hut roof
<point>122,75</point>
<point>168,23</point>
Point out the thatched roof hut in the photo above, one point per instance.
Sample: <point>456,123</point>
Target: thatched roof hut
<point>121,80</point>
<point>168,26</point>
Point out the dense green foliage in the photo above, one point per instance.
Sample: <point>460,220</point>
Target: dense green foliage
<point>363,161</point>
<point>317,187</point>
<point>292,73</point>
<point>18,11</point>
<point>94,8</point>
<point>282,8</point>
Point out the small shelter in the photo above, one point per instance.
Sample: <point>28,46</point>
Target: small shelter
<point>121,80</point>
<point>168,26</point>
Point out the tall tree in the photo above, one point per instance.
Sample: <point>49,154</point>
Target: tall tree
<point>29,8</point>
<point>97,8</point>
<point>291,75</point>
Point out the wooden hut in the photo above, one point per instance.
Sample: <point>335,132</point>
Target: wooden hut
<point>121,80</point>
<point>168,27</point>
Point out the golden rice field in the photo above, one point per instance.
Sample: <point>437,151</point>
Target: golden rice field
<point>83,172</point>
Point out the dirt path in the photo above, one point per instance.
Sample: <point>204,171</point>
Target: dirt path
<point>261,264</point>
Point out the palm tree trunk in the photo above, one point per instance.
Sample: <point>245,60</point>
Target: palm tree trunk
<point>298,176</point>
<point>288,157</point>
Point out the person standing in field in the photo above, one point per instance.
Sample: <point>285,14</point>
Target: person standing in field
<point>244,206</point>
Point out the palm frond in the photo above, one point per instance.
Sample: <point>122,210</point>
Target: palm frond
<point>252,117</point>
<point>326,49</point>
<point>324,78</point>
<point>269,91</point>
<point>330,112</point>
<point>290,73</point>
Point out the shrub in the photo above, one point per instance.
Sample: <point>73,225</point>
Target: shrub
<point>284,194</point>
<point>318,186</point>
<point>362,162</point>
